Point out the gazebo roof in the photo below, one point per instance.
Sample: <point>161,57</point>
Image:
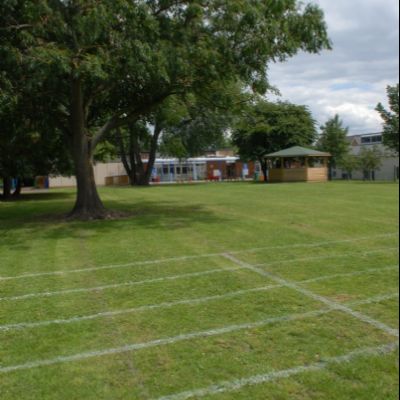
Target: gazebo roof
<point>298,151</point>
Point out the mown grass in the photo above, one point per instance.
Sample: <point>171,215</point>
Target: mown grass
<point>337,240</point>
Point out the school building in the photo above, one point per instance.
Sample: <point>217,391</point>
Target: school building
<point>389,171</point>
<point>171,170</point>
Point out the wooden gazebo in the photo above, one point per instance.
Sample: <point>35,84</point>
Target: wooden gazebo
<point>298,164</point>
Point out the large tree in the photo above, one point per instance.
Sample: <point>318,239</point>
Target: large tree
<point>391,118</point>
<point>100,65</point>
<point>269,127</point>
<point>333,139</point>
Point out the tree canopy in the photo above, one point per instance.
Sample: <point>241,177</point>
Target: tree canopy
<point>370,160</point>
<point>391,118</point>
<point>269,127</point>
<point>333,139</point>
<point>95,66</point>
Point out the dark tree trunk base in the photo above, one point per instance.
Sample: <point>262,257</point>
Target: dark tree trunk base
<point>79,214</point>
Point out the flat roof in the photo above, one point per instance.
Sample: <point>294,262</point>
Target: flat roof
<point>298,151</point>
<point>196,160</point>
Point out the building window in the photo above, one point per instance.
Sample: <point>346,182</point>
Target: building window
<point>377,139</point>
<point>366,140</point>
<point>371,139</point>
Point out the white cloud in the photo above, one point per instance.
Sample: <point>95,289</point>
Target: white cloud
<point>351,79</point>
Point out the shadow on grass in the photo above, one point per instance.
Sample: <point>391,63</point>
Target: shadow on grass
<point>17,230</point>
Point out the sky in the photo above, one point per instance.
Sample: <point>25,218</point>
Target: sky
<point>351,79</point>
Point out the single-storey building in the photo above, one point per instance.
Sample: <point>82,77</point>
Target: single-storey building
<point>172,170</point>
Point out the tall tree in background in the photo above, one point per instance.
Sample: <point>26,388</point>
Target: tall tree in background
<point>349,163</point>
<point>391,118</point>
<point>333,139</point>
<point>269,127</point>
<point>204,121</point>
<point>370,161</point>
<point>97,66</point>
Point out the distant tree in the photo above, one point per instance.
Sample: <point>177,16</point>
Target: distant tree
<point>333,139</point>
<point>370,160</point>
<point>391,119</point>
<point>203,122</point>
<point>269,127</point>
<point>349,163</point>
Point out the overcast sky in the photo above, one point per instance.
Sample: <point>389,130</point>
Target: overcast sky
<point>350,80</point>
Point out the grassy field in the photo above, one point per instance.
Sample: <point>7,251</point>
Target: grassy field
<point>219,291</point>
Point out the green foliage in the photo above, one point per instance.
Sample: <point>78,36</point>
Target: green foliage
<point>349,163</point>
<point>129,55</point>
<point>268,127</point>
<point>370,159</point>
<point>391,119</point>
<point>203,121</point>
<point>333,140</point>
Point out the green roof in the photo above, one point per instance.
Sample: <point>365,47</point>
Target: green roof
<point>298,151</point>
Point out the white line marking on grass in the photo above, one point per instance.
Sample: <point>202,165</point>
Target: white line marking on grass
<point>310,294</point>
<point>377,299</point>
<point>235,385</point>
<point>118,285</point>
<point>137,309</point>
<point>193,257</point>
<point>348,274</point>
<point>163,342</point>
<point>343,255</point>
<point>200,300</point>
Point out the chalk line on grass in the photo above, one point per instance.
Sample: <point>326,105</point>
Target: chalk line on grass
<point>310,294</point>
<point>134,283</point>
<point>192,257</point>
<point>163,342</point>
<point>313,258</point>
<point>349,274</point>
<point>168,341</point>
<point>238,384</point>
<point>26,325</point>
<point>137,309</point>
<point>119,285</point>
<point>377,299</point>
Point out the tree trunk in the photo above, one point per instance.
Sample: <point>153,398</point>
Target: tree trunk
<point>330,172</point>
<point>143,173</point>
<point>18,188</point>
<point>6,188</point>
<point>264,168</point>
<point>88,205</point>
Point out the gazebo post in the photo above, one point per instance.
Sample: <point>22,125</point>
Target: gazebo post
<point>282,163</point>
<point>306,163</point>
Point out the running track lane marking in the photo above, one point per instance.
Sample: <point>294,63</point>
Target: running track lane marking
<point>163,342</point>
<point>186,258</point>
<point>138,283</point>
<point>236,385</point>
<point>120,285</point>
<point>26,325</point>
<point>343,255</point>
<point>310,294</point>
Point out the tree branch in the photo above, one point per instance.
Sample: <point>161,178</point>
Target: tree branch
<point>118,121</point>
